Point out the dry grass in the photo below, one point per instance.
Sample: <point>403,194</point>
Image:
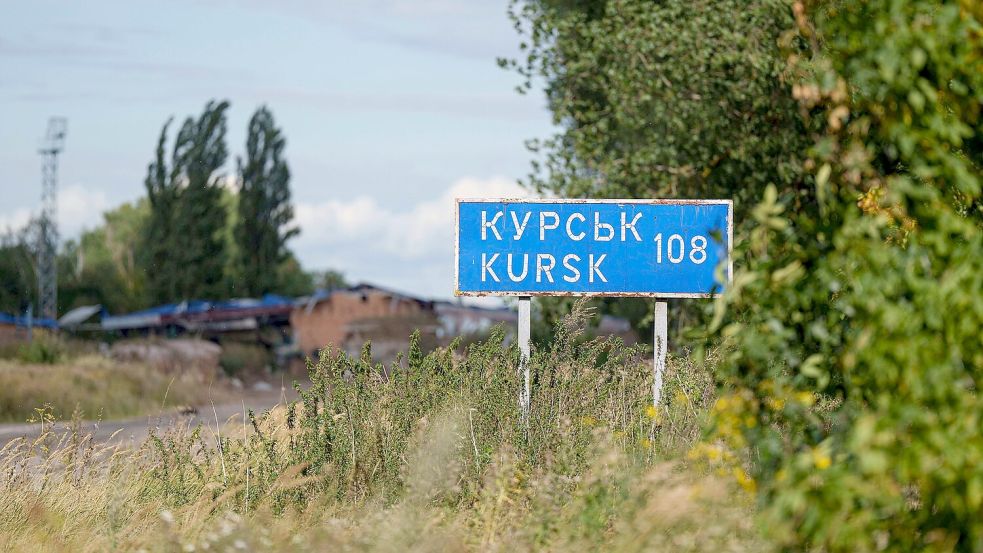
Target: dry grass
<point>433,457</point>
<point>74,497</point>
<point>97,387</point>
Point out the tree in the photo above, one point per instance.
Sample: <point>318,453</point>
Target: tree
<point>103,266</point>
<point>264,210</point>
<point>163,191</point>
<point>184,246</point>
<point>18,279</point>
<point>676,99</point>
<point>673,99</point>
<point>201,216</point>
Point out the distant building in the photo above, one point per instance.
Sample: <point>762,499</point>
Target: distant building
<point>347,318</point>
<point>458,319</point>
<point>204,318</point>
<point>292,329</point>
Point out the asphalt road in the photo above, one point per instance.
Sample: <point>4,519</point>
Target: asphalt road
<point>134,431</point>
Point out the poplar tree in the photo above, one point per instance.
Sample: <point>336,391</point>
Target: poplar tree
<point>157,250</point>
<point>201,217</point>
<point>265,213</point>
<point>183,242</point>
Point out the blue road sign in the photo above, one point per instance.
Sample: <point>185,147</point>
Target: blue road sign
<point>661,248</point>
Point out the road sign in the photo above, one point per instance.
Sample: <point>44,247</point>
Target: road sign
<point>654,248</point>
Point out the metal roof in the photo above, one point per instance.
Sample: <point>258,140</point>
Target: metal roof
<point>79,315</point>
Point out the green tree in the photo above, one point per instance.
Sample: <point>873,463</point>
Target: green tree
<point>853,365</point>
<point>163,192</point>
<point>104,265</point>
<point>677,99</point>
<point>330,279</point>
<point>18,279</point>
<point>674,99</point>
<point>292,279</point>
<point>200,219</point>
<point>184,245</point>
<point>264,210</point>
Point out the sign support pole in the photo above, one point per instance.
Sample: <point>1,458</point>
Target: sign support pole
<point>660,345</point>
<point>525,310</point>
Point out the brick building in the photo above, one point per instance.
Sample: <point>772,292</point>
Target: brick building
<point>347,318</point>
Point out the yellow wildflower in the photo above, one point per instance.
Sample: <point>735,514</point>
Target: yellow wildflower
<point>821,459</point>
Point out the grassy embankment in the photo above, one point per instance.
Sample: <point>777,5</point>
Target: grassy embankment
<point>62,383</point>
<point>434,458</point>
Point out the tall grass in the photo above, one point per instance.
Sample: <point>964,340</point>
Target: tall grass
<point>95,386</point>
<point>426,454</point>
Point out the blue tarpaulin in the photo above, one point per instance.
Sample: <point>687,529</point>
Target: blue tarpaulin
<point>6,318</point>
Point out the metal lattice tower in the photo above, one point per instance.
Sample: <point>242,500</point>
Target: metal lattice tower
<point>51,146</point>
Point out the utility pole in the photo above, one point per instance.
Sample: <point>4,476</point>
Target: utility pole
<point>51,146</point>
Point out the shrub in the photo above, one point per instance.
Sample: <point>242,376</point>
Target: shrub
<point>854,365</point>
<point>43,348</point>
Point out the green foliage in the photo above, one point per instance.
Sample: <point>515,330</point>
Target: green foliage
<point>854,361</point>
<point>352,428</point>
<point>676,99</point>
<point>43,349</point>
<point>661,99</point>
<point>18,281</point>
<point>200,218</point>
<point>330,280</point>
<point>245,358</point>
<point>184,244</point>
<point>264,210</point>
<point>104,266</point>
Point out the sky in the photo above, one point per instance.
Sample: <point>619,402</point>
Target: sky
<point>391,109</point>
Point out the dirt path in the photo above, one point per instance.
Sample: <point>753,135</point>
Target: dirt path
<point>134,431</point>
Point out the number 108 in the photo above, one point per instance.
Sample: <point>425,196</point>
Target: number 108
<point>676,249</point>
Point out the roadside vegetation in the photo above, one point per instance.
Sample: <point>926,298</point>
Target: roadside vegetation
<point>433,457</point>
<point>49,379</point>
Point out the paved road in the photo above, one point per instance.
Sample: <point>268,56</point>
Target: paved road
<point>134,431</point>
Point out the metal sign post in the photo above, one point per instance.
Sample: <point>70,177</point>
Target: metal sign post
<point>561,247</point>
<point>525,314</point>
<point>660,343</point>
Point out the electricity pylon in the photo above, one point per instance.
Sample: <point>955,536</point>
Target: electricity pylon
<point>51,146</point>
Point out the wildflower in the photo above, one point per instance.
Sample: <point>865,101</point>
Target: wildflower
<point>775,404</point>
<point>744,480</point>
<point>805,398</point>
<point>821,459</point>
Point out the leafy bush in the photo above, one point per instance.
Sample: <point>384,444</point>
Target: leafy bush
<point>854,366</point>
<point>43,348</point>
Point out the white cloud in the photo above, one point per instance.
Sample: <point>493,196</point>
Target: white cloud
<point>78,208</point>
<point>410,249</point>
<point>14,220</point>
